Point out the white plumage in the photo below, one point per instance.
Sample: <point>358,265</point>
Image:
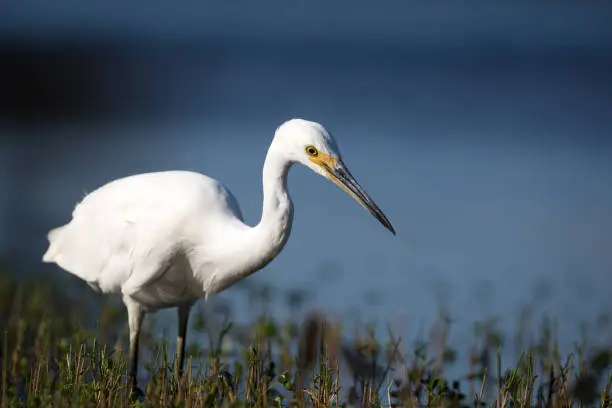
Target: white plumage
<point>124,235</point>
<point>167,239</point>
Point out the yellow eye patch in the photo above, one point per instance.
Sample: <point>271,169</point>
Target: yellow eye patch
<point>324,160</point>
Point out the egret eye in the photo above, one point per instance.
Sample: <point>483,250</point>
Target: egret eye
<point>311,150</point>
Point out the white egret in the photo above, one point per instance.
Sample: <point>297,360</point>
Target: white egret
<point>167,239</point>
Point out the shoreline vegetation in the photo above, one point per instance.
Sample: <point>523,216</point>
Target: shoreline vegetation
<point>60,350</point>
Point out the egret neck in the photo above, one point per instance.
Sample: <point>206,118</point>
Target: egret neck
<point>254,247</point>
<point>274,227</point>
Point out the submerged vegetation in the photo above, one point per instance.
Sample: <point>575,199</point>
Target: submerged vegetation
<point>58,349</point>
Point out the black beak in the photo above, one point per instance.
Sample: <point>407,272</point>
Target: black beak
<point>343,178</point>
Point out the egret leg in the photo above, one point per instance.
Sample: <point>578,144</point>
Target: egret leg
<point>135,319</point>
<point>183,320</point>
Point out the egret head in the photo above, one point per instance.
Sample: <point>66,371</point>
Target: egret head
<point>310,144</point>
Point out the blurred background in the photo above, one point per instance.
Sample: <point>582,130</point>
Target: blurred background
<point>482,130</point>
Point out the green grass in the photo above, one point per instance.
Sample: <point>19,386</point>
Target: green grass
<point>58,349</point>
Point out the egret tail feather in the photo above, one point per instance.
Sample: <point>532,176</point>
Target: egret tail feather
<point>52,237</point>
